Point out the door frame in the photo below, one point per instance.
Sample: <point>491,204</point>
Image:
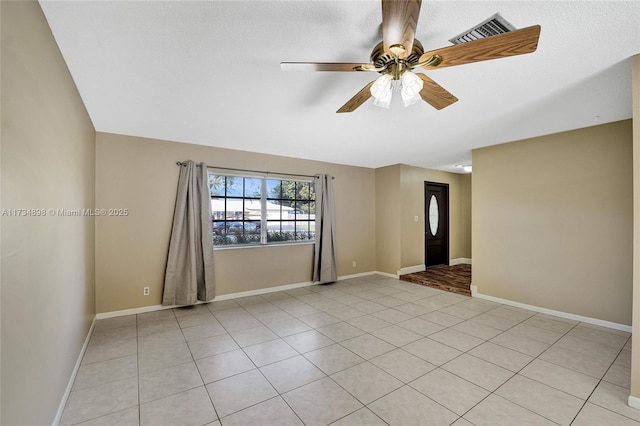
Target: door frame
<point>445,186</point>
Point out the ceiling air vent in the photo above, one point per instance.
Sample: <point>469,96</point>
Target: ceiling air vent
<point>490,27</point>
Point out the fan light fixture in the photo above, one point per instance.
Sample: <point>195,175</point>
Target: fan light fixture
<point>381,91</point>
<point>400,52</point>
<point>410,87</point>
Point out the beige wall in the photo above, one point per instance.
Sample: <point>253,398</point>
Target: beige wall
<point>141,175</point>
<point>388,229</point>
<point>399,198</point>
<point>48,300</point>
<point>465,215</point>
<point>635,354</point>
<point>552,221</point>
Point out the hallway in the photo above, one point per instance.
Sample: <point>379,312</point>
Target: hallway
<point>454,279</point>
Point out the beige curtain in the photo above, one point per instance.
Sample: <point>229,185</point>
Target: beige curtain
<point>324,265</point>
<point>189,273</point>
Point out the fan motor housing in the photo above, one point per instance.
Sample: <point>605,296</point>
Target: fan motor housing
<point>383,60</point>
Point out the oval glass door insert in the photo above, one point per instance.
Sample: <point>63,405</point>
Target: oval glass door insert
<point>434,215</point>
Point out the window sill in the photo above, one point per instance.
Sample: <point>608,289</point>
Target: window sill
<point>254,246</point>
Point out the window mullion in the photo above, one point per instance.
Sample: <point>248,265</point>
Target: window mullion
<point>263,212</point>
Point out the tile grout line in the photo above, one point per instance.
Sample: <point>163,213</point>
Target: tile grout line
<point>517,372</point>
<point>323,310</point>
<point>326,376</point>
<point>279,395</point>
<point>600,380</point>
<point>204,385</point>
<point>462,352</point>
<point>369,361</point>
<point>596,387</point>
<point>514,373</point>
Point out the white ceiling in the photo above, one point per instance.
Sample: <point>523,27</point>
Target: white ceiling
<point>208,73</point>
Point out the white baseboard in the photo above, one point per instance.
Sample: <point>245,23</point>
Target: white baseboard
<point>153,308</point>
<point>262,291</point>
<point>460,261</point>
<point>359,275</point>
<point>561,314</point>
<point>385,274</point>
<point>133,311</point>
<point>634,402</point>
<point>74,373</point>
<point>411,269</point>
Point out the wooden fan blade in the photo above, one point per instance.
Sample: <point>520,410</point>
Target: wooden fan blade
<point>513,43</point>
<point>360,98</point>
<point>399,21</point>
<point>434,94</point>
<point>319,66</point>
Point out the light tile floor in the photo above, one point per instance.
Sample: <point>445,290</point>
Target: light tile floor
<point>365,351</point>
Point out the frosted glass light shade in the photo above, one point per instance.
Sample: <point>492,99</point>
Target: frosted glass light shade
<point>411,87</point>
<point>381,91</point>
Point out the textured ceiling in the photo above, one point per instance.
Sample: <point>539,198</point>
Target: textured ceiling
<point>208,73</point>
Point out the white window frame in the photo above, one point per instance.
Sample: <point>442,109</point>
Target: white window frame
<point>264,216</point>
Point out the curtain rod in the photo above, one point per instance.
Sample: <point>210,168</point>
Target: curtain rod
<point>180,163</point>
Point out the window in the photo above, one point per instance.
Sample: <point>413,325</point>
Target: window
<point>254,210</point>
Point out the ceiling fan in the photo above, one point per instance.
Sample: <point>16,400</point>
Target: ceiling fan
<point>399,53</point>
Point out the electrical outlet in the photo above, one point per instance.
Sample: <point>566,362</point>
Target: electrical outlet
<point>354,264</point>
<point>145,291</point>
<point>416,218</point>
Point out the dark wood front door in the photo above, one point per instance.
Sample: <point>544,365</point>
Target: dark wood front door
<point>436,206</point>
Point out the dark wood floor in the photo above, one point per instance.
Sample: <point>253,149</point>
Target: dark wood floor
<point>456,279</point>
